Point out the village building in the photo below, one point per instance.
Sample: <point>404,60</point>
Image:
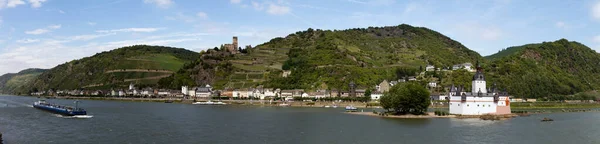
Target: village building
<point>432,84</point>
<point>430,68</point>
<point>384,86</point>
<point>480,100</point>
<point>376,95</point>
<point>204,92</point>
<point>184,90</point>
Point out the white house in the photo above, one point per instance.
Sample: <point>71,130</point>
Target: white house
<point>430,68</point>
<point>204,92</point>
<point>376,95</point>
<point>192,92</point>
<point>479,101</point>
<point>432,84</point>
<point>121,93</point>
<point>184,90</point>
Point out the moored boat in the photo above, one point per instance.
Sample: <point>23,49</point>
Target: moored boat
<point>59,109</point>
<point>351,109</point>
<point>209,103</point>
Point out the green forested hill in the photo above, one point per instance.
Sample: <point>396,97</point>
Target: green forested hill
<point>509,51</point>
<point>140,64</point>
<point>331,59</point>
<point>15,81</point>
<point>550,68</point>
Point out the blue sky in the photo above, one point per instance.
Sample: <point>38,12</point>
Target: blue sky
<point>45,33</point>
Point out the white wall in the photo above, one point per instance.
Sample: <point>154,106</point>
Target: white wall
<point>478,85</point>
<point>376,96</point>
<point>473,105</point>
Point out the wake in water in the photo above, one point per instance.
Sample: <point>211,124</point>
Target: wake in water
<point>76,116</point>
<point>15,103</point>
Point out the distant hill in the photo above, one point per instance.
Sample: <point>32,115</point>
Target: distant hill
<point>509,51</point>
<point>545,69</point>
<point>13,81</point>
<point>141,64</point>
<point>331,59</point>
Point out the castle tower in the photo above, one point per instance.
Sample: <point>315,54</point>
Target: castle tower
<point>478,84</point>
<point>235,43</point>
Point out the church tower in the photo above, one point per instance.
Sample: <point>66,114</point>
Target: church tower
<point>478,84</point>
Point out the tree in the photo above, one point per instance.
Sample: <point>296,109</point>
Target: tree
<point>367,96</point>
<point>406,98</point>
<point>216,49</point>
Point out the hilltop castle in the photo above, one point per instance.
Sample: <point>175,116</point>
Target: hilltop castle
<point>233,47</point>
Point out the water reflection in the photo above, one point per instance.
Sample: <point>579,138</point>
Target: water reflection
<point>472,122</point>
<point>409,121</point>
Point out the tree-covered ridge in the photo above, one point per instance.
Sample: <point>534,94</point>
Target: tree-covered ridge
<point>546,69</point>
<point>114,68</point>
<point>366,56</point>
<point>14,81</point>
<point>509,51</point>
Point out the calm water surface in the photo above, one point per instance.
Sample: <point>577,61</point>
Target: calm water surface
<point>135,122</point>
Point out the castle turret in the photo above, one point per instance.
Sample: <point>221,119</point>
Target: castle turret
<point>478,84</point>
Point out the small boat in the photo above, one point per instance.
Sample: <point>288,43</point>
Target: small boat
<point>547,119</point>
<point>327,106</point>
<point>59,109</point>
<point>334,106</point>
<point>284,104</point>
<point>169,101</point>
<point>209,103</point>
<point>351,109</point>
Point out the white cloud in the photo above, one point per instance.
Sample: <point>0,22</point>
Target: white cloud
<point>257,6</point>
<point>357,1</point>
<point>560,24</point>
<point>37,31</point>
<point>181,17</point>
<point>479,31</point>
<point>89,37</point>
<point>43,30</point>
<point>597,39</point>
<point>373,2</point>
<point>14,3</point>
<point>91,23</point>
<point>596,11</point>
<point>36,3</point>
<point>54,26</point>
<point>235,1</point>
<point>62,12</point>
<point>278,10</point>
<point>130,30</point>
<point>160,3</point>
<point>25,41</point>
<point>202,15</point>
<point>2,4</point>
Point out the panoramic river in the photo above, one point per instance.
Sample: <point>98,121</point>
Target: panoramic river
<point>137,122</point>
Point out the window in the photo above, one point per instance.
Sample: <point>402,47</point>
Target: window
<point>489,106</point>
<point>458,104</point>
<point>477,105</point>
<point>467,105</point>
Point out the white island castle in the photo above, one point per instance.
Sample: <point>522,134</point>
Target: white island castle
<point>480,100</point>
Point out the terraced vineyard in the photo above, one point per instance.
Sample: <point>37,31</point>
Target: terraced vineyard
<point>141,64</point>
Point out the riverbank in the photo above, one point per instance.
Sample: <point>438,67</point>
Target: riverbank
<point>408,116</point>
<point>432,115</point>
<point>231,102</point>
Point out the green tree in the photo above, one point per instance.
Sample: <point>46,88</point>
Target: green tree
<point>406,98</point>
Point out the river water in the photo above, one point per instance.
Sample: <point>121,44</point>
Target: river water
<point>137,122</point>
